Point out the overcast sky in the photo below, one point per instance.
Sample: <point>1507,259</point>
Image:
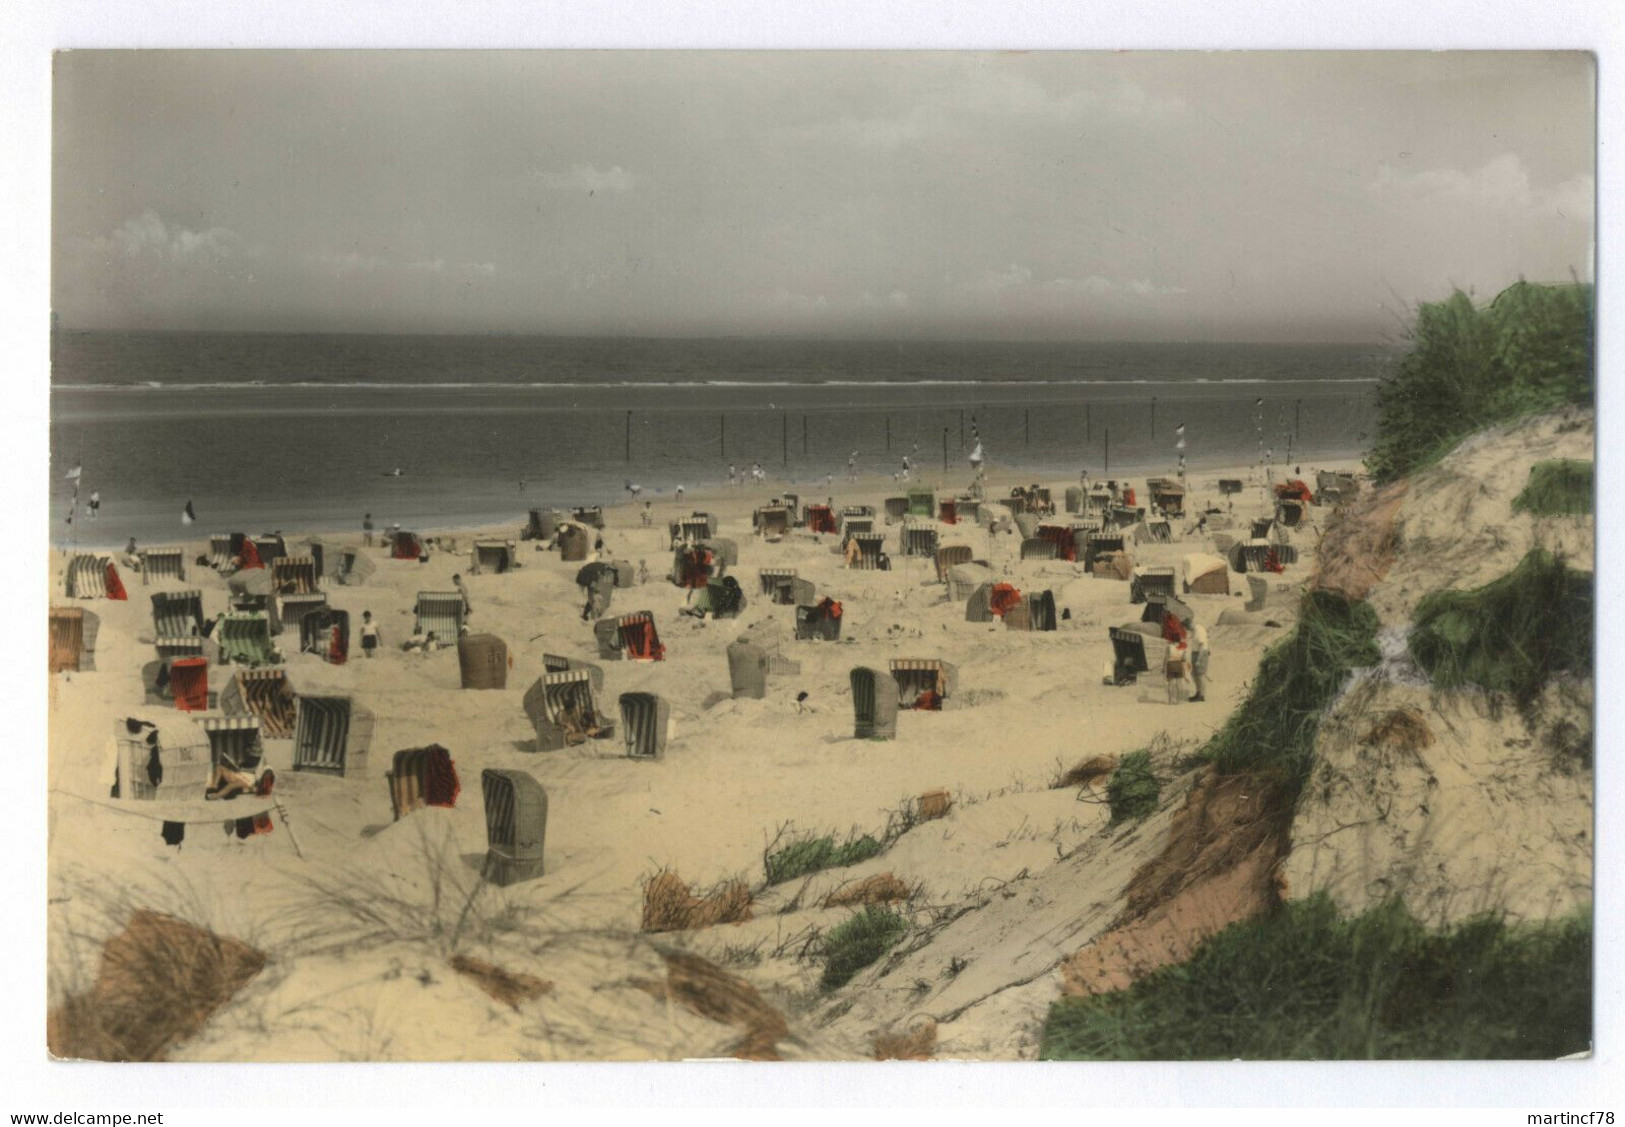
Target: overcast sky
<point>1063,196</point>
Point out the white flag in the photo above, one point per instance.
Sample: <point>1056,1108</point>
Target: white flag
<point>187,515</point>
<point>73,474</point>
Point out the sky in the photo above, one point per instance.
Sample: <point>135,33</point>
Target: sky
<point>1061,196</point>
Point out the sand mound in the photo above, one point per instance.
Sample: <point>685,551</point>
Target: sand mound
<point>503,985</point>
<point>1217,867</point>
<point>670,905</point>
<point>159,981</point>
<point>919,1043</point>
<point>882,888</point>
<point>1360,541</point>
<point>1464,812</point>
<point>704,988</point>
<point>1089,771</point>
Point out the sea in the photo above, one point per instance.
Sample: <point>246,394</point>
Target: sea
<point>262,432</point>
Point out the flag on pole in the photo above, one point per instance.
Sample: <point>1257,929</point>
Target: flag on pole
<point>73,474</point>
<point>187,515</point>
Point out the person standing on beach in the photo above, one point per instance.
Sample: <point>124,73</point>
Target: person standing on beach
<point>369,634</point>
<point>366,529</point>
<point>679,494</point>
<point>852,467</point>
<point>907,465</point>
<point>95,503</point>
<point>1199,657</point>
<point>648,513</point>
<point>468,607</point>
<point>733,474</point>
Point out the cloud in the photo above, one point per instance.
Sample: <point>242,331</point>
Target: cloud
<point>147,234</point>
<point>347,262</point>
<point>985,94</point>
<point>586,178</point>
<point>1016,279</point>
<point>1502,184</point>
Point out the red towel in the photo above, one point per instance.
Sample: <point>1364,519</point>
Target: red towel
<point>251,555</point>
<point>336,651</point>
<point>440,783</point>
<point>1004,597</point>
<point>189,684</point>
<point>1272,562</point>
<point>1128,498</point>
<point>831,608</point>
<point>115,586</point>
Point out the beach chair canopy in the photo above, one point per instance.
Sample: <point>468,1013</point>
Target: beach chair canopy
<point>639,639</point>
<point>645,721</point>
<point>234,742</point>
<point>515,825</point>
<point>162,563</point>
<point>923,684</point>
<point>420,777</point>
<point>1294,490</point>
<point>1147,582</point>
<point>265,694</point>
<point>482,661</point>
<point>820,620</point>
<point>498,556</point>
<point>439,613</point>
<point>1205,575</point>
<point>72,632</point>
<point>332,736</point>
<point>326,633</point>
<point>964,580</point>
<point>563,708</point>
<point>874,704</point>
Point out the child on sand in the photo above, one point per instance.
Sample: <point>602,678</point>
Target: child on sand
<point>369,633</point>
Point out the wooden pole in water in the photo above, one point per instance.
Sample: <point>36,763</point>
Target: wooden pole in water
<point>629,436</point>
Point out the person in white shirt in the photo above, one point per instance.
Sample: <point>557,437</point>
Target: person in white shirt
<point>1199,658</point>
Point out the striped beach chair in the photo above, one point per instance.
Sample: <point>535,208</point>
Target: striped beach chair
<point>220,549</point>
<point>639,638</point>
<point>918,540</point>
<point>271,547</point>
<point>1128,655</point>
<point>747,671</point>
<point>177,614</point>
<point>871,546</point>
<point>72,634</point>
<point>234,742</point>
<point>292,610</point>
<point>332,736</point>
<point>563,708</point>
<point>265,694</point>
<point>775,583</point>
<point>965,579</point>
<point>590,515</point>
<point>496,556</point>
<point>1037,548</point>
<point>950,557</point>
<point>1149,582</point>
<point>440,612</point>
<point>420,777</point>
<point>923,684</point>
<point>874,705</point>
<point>244,638</point>
<point>295,575</point>
<point>515,825</point>
<point>354,567</point>
<point>87,577</point>
<point>645,723</point>
<point>158,564</point>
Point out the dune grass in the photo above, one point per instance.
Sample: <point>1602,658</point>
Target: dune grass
<point>810,854</point>
<point>1529,350</point>
<point>1133,790</point>
<point>1273,731</point>
<point>850,946</point>
<point>1303,983</point>
<point>1562,487</point>
<point>1511,635</point>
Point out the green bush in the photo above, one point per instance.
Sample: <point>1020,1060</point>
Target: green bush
<point>1531,349</point>
<point>1273,731</point>
<point>1133,790</point>
<point>811,854</point>
<point>1560,488</point>
<point>853,945</point>
<point>1511,635</point>
<point>1302,983</point>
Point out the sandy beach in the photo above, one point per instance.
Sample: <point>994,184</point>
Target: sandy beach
<point>735,775</point>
